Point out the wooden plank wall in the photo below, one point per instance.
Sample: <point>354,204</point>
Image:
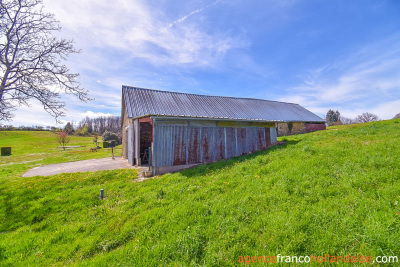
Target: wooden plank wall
<point>181,145</point>
<point>130,147</point>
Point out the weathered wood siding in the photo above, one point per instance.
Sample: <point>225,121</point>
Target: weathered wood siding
<point>182,145</point>
<point>130,147</point>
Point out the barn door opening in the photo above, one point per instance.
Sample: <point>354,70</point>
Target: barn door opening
<point>146,137</point>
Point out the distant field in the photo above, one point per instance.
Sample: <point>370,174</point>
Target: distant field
<point>335,191</point>
<point>34,148</point>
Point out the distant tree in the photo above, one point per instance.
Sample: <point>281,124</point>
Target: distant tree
<point>332,117</point>
<point>55,129</point>
<point>63,138</point>
<point>31,59</point>
<point>346,120</point>
<point>24,128</point>
<point>85,130</point>
<point>397,116</point>
<point>69,128</point>
<point>82,131</point>
<point>366,117</point>
<point>6,128</point>
<point>101,124</point>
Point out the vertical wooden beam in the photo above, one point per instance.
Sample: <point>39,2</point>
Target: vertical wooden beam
<point>236,137</point>
<point>154,146</point>
<point>255,132</point>
<point>226,148</point>
<point>277,129</point>
<point>130,151</point>
<point>187,144</point>
<point>136,129</point>
<point>265,136</point>
<point>201,144</point>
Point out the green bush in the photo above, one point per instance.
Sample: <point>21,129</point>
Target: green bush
<point>6,151</point>
<point>107,136</point>
<point>105,144</point>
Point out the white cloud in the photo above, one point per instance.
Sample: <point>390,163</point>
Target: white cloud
<point>32,115</point>
<point>385,110</point>
<point>92,114</point>
<point>120,38</point>
<point>35,115</point>
<point>141,31</point>
<point>192,13</point>
<point>366,81</point>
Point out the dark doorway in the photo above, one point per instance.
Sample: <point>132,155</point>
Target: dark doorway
<point>146,136</point>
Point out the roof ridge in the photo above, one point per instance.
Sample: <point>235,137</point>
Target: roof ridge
<point>234,97</point>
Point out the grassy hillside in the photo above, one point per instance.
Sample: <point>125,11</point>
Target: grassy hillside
<point>34,148</point>
<point>335,192</point>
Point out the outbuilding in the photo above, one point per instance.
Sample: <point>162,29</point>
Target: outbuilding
<point>171,130</point>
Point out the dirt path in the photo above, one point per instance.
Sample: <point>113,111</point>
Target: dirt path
<point>89,165</point>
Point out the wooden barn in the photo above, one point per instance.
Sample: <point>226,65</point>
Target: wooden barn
<point>172,130</point>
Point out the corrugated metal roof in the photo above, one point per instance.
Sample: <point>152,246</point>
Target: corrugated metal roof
<point>143,102</point>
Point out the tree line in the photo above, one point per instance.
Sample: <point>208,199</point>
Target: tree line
<point>87,126</point>
<point>95,126</point>
<point>335,118</point>
<point>26,128</point>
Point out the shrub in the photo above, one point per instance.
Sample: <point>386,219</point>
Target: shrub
<point>82,131</point>
<point>6,151</point>
<point>336,123</point>
<point>107,136</point>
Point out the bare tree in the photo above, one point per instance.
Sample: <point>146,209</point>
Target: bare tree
<point>31,59</point>
<point>397,116</point>
<point>346,120</point>
<point>367,117</point>
<point>101,124</point>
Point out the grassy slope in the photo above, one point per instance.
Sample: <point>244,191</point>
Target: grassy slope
<point>35,148</point>
<point>335,192</point>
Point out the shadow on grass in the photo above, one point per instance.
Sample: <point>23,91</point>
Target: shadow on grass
<point>218,165</point>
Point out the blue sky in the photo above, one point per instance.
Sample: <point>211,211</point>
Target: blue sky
<point>343,55</point>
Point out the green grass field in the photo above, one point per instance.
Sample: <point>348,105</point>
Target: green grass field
<point>35,148</point>
<point>335,191</point>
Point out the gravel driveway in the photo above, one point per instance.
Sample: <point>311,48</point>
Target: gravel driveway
<point>89,165</point>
